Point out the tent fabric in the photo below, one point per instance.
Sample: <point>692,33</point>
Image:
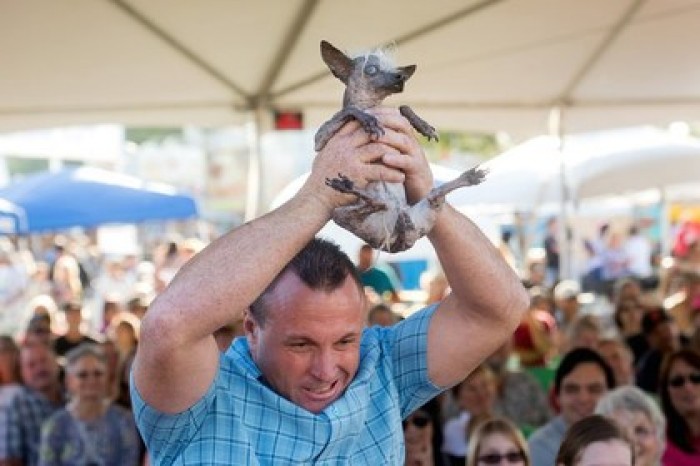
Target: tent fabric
<point>12,218</point>
<point>482,64</point>
<point>606,163</point>
<point>89,197</point>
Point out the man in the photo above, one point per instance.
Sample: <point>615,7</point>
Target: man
<point>39,398</point>
<point>551,252</point>
<point>566,294</point>
<point>521,398</point>
<point>379,280</point>
<point>620,359</point>
<point>658,329</point>
<point>581,379</point>
<point>310,383</point>
<point>74,335</point>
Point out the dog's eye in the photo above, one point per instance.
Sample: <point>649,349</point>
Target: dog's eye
<point>371,69</point>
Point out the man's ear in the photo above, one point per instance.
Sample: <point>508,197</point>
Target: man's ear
<point>250,327</point>
<point>340,64</point>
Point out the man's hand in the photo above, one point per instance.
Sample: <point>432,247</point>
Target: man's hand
<point>352,153</point>
<point>407,156</point>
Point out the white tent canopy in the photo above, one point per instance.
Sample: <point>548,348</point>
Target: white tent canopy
<point>606,163</point>
<point>482,64</point>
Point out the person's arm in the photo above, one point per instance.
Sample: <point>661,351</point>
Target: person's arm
<point>177,357</point>
<point>487,300</point>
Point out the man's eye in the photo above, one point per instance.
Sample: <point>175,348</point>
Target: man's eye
<point>371,69</point>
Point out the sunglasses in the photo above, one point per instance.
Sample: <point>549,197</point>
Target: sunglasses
<point>82,375</point>
<point>496,458</point>
<point>419,420</point>
<point>680,380</point>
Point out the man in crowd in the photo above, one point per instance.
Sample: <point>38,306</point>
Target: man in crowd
<point>581,379</point>
<point>40,397</point>
<point>310,383</point>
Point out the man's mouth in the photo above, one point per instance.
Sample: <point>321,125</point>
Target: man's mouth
<point>322,393</point>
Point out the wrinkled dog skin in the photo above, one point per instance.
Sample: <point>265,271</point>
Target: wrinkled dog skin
<point>381,215</point>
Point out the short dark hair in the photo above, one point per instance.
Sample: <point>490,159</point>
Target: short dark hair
<point>579,356</point>
<point>321,265</point>
<point>591,429</point>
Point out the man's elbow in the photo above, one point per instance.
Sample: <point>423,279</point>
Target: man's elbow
<point>518,303</point>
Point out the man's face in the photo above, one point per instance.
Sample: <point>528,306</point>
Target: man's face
<point>580,391</point>
<point>38,367</point>
<point>620,361</point>
<point>309,346</point>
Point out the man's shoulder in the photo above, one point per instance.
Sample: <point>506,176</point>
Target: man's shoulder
<point>552,431</point>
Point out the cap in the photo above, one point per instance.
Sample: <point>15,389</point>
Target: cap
<point>567,289</point>
<point>653,318</point>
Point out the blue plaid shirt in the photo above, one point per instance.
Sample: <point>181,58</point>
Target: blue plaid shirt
<point>241,421</point>
<point>24,417</point>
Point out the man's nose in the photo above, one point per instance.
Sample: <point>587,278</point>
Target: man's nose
<point>323,365</point>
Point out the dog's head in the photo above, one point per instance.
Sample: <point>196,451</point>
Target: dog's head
<point>369,77</point>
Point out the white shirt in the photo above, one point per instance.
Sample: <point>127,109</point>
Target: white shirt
<point>454,435</point>
<point>639,254</point>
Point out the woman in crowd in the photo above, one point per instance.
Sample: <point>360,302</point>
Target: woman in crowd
<point>628,319</point>
<point>90,430</point>
<point>418,429</point>
<point>495,440</point>
<point>680,400</point>
<point>124,330</point>
<point>476,398</point>
<point>641,416</point>
<point>596,441</point>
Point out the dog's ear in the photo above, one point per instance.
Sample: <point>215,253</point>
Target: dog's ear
<point>407,71</point>
<point>340,64</point>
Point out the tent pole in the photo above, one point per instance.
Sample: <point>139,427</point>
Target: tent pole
<point>556,129</point>
<point>664,223</point>
<point>254,191</point>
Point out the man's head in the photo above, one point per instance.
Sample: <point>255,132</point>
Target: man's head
<point>566,298</point>
<point>581,379</point>
<point>72,311</point>
<point>658,328</point>
<point>304,330</point>
<point>365,257</point>
<point>620,359</point>
<point>382,315</point>
<point>39,367</point>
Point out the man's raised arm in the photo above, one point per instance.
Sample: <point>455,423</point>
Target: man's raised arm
<point>177,358</point>
<point>487,300</point>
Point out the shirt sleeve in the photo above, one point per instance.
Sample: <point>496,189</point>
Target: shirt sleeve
<point>166,435</point>
<point>410,361</point>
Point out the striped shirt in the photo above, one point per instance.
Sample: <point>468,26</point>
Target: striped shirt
<point>241,421</point>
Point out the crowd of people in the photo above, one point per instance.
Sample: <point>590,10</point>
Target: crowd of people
<point>334,368</point>
<point>64,376</point>
<point>626,348</point>
<point>70,330</point>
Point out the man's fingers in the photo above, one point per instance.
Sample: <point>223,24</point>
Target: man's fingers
<point>380,172</point>
<point>374,152</point>
<point>400,141</point>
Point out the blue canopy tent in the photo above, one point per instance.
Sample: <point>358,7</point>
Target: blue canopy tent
<point>12,218</point>
<point>89,197</point>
